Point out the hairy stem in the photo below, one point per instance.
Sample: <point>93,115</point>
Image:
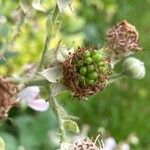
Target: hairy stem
<point>49,25</point>
<point>55,106</point>
<point>26,83</point>
<point>113,78</point>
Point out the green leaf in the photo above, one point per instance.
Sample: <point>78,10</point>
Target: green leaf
<point>10,141</point>
<point>2,144</point>
<point>71,126</point>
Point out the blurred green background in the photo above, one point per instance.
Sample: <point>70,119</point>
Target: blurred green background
<point>122,109</point>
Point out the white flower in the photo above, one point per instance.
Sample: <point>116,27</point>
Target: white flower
<point>109,143</point>
<point>134,68</point>
<point>29,96</point>
<point>65,146</point>
<point>80,143</point>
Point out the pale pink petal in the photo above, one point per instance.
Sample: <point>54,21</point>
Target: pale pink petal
<point>29,93</point>
<point>38,104</point>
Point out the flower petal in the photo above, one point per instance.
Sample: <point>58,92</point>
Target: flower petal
<point>52,74</point>
<point>38,104</point>
<point>36,4</point>
<point>29,93</point>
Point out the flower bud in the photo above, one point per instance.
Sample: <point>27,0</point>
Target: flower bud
<point>134,68</point>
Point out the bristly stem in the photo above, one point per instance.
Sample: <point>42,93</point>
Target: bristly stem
<point>113,78</point>
<point>49,32</point>
<point>31,82</point>
<point>55,106</point>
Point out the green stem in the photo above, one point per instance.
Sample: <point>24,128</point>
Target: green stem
<point>50,23</point>
<point>34,82</point>
<point>114,77</point>
<point>43,53</point>
<point>55,106</point>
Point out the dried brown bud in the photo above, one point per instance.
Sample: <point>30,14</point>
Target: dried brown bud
<point>122,39</point>
<point>7,91</point>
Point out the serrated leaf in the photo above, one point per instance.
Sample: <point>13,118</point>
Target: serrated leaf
<point>71,126</point>
<point>52,74</point>
<point>36,4</point>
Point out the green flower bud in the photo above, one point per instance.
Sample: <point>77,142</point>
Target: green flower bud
<point>134,68</point>
<point>92,75</point>
<point>83,71</point>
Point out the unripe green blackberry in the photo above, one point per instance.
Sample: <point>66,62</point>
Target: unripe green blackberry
<point>88,60</point>
<point>86,71</point>
<point>92,75</point>
<point>90,81</point>
<point>83,71</point>
<point>97,58</point>
<point>90,68</point>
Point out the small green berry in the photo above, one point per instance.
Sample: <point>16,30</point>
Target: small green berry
<point>83,71</point>
<point>96,52</point>
<point>90,68</point>
<point>82,80</point>
<point>88,60</point>
<point>92,75</point>
<point>86,53</point>
<point>79,63</point>
<point>90,81</point>
<point>100,64</point>
<point>97,58</point>
<point>103,69</point>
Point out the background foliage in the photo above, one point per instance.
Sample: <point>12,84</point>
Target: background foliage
<point>122,109</point>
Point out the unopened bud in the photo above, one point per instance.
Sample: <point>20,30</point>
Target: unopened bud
<point>134,68</point>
